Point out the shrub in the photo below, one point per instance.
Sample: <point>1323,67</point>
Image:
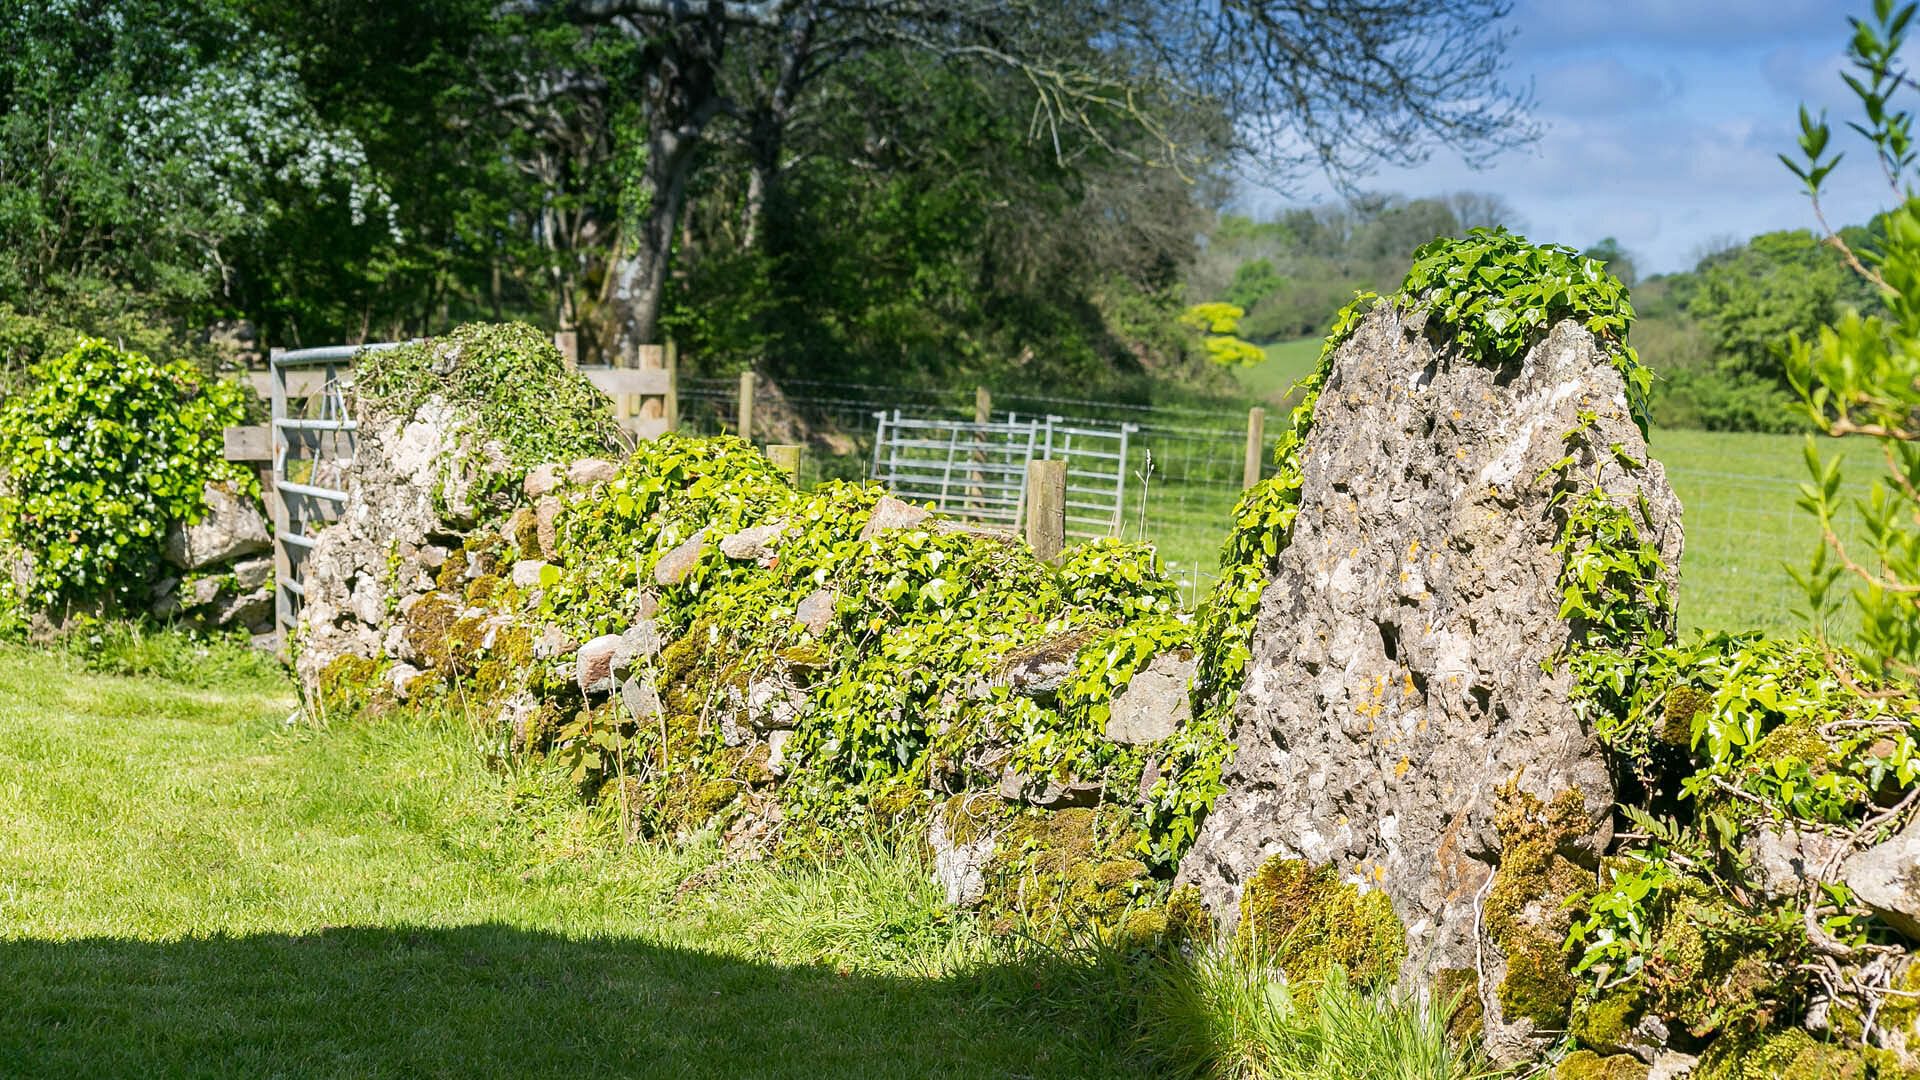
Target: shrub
<point>102,452</point>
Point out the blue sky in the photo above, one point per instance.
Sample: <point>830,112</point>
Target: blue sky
<point>1662,121</point>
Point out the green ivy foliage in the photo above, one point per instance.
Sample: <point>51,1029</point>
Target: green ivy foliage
<point>102,452</point>
<point>907,677</point>
<point>1495,295</point>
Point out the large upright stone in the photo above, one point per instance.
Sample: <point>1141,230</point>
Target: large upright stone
<point>1404,655</point>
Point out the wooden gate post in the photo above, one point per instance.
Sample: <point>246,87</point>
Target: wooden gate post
<point>1256,443</point>
<point>1046,508</point>
<point>976,477</point>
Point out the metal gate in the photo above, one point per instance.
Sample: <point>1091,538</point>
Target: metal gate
<point>978,471</point>
<point>1096,457</point>
<point>312,450</point>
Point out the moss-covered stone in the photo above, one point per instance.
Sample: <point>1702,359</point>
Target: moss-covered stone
<point>1305,920</point>
<point>452,575</point>
<point>481,589</point>
<point>1587,1065</point>
<point>1712,982</point>
<point>1676,717</point>
<point>1529,909</point>
<point>1606,1023</point>
<point>1789,1054</point>
<point>350,683</point>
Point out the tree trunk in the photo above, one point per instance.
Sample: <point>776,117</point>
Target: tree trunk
<point>640,277</point>
<point>767,140</point>
<point>682,98</point>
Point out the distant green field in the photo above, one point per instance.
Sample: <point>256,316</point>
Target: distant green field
<point>1737,492</point>
<point>1287,363</point>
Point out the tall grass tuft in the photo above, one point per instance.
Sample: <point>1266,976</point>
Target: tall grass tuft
<point>1220,1015</point>
<point>199,660</point>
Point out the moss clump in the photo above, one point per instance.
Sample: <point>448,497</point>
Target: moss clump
<point>1712,982</point>
<point>1055,869</point>
<point>349,683</point>
<point>1529,909</point>
<point>1458,990</point>
<point>1306,920</point>
<point>1587,1065</point>
<point>1178,919</point>
<point>1676,717</point>
<point>481,589</point>
<point>1606,1024</point>
<point>504,661</point>
<point>894,802</point>
<point>1791,1054</point>
<point>452,575</point>
<point>524,529</point>
<point>709,797</point>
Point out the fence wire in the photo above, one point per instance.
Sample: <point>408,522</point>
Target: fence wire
<point>1185,471</point>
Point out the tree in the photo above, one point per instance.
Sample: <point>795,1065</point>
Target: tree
<point>917,231</point>
<point>1253,282</point>
<point>151,151</point>
<point>1340,87</point>
<point>1483,210</point>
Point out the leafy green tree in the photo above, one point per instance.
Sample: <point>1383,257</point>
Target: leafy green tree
<point>156,151</point>
<point>1339,87</point>
<point>1253,282</point>
<point>1753,298</point>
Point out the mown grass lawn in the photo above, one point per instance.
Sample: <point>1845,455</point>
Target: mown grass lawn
<point>190,886</point>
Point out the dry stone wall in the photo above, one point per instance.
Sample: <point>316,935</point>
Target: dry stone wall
<point>709,648</point>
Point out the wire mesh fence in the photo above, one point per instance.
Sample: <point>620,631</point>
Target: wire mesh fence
<point>1185,469</point>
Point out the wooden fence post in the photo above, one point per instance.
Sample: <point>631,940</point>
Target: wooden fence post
<point>1256,443</point>
<point>650,358</point>
<point>746,405</point>
<point>1046,508</point>
<point>786,458</point>
<point>623,357</point>
<point>670,404</point>
<point>976,477</point>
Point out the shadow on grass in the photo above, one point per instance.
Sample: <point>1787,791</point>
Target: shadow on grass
<point>490,1000</point>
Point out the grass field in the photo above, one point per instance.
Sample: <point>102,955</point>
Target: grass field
<point>1287,363</point>
<point>191,887</point>
<point>1738,492</point>
<point>194,885</point>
